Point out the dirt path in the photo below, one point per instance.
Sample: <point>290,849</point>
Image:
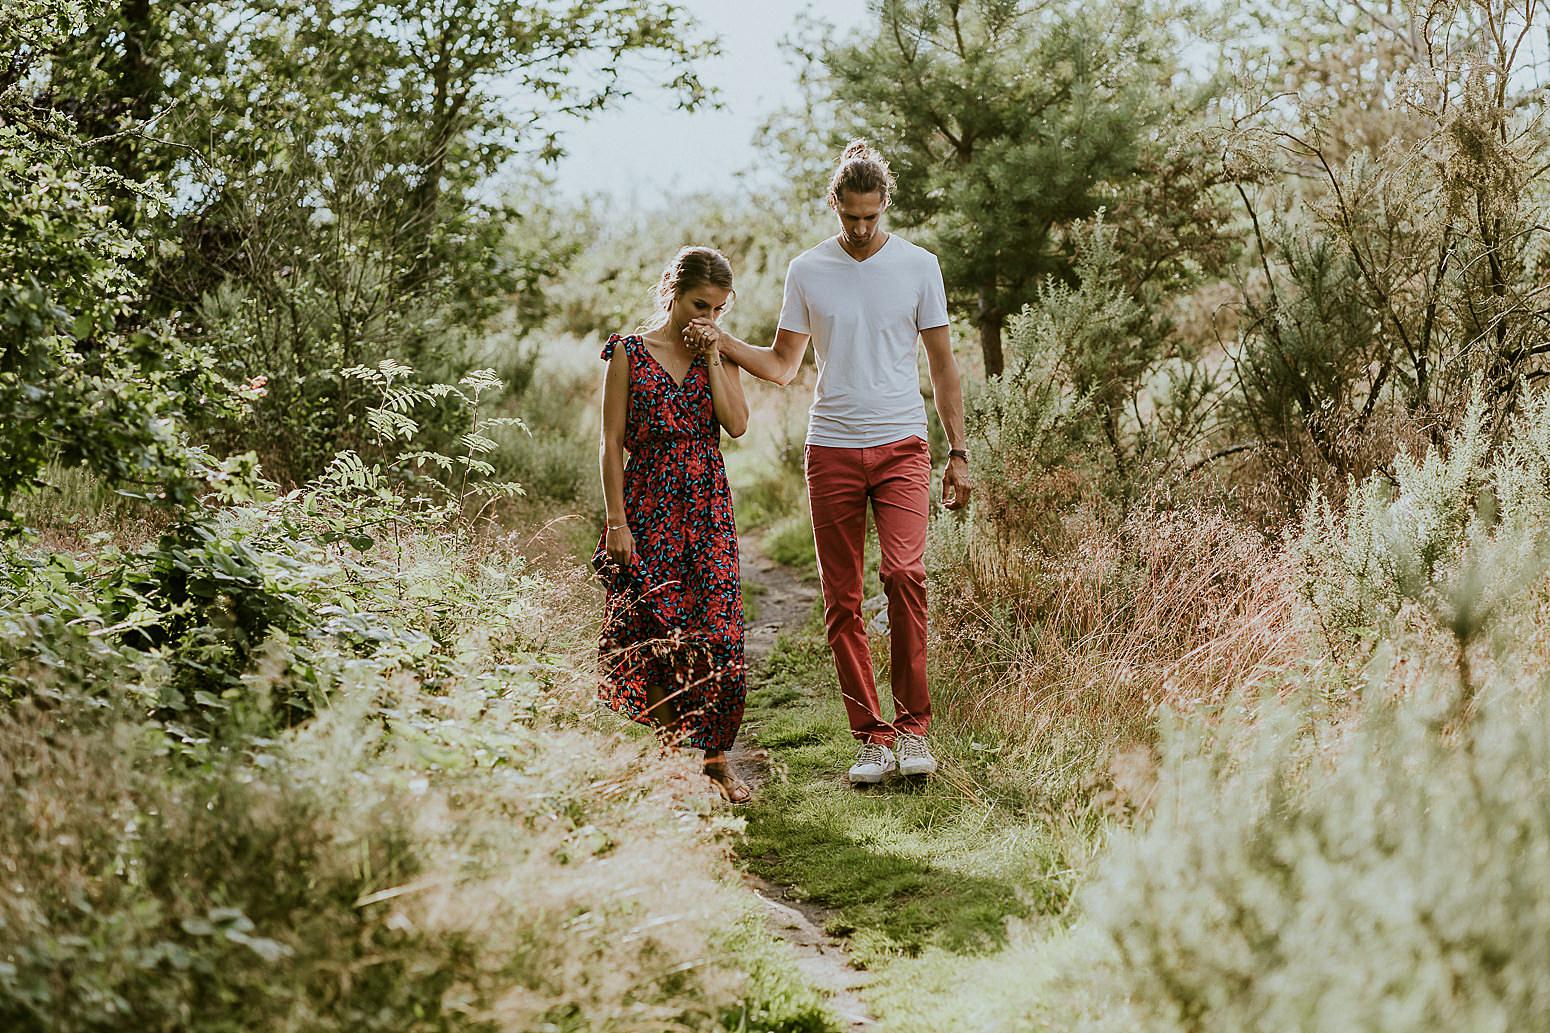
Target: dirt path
<point>785,602</point>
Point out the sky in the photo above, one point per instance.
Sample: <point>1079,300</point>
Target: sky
<point>643,150</point>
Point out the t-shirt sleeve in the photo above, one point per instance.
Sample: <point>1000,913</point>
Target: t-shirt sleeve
<point>931,309</point>
<point>793,306</point>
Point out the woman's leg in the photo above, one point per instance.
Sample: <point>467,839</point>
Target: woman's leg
<point>719,770</point>
<point>661,709</point>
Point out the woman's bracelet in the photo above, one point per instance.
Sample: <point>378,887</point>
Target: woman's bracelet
<point>618,527</point>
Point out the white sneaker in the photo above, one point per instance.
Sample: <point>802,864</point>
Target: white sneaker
<point>914,755</point>
<point>873,764</point>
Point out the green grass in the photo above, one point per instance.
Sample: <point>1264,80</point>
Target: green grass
<point>753,593</point>
<point>776,997</point>
<point>790,543</point>
<point>910,870</point>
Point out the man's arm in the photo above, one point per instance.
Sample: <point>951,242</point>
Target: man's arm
<point>779,363</point>
<point>948,391</point>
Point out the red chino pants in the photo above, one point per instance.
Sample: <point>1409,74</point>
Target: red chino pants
<point>896,479</point>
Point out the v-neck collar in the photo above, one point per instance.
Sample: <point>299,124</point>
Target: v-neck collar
<point>861,261</point>
<point>658,362</point>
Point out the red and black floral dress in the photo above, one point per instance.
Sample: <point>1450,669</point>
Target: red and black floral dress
<point>674,617</point>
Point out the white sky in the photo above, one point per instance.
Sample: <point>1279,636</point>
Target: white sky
<point>643,150</point>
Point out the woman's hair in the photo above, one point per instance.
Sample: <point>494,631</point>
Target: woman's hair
<point>693,266</point>
<point>863,171</point>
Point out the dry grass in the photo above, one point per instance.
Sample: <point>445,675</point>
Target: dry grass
<point>1067,649</point>
<point>484,851</point>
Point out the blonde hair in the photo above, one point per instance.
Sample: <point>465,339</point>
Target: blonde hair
<point>693,266</point>
<point>863,171</point>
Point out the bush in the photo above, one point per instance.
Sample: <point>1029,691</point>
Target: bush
<point>404,862</point>
<point>1374,875</point>
<point>1447,546</point>
<point>80,379</point>
<point>451,843</point>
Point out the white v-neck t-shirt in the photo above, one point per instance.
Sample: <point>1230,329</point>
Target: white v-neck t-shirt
<point>865,319</point>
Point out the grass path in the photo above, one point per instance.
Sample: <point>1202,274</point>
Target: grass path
<point>888,889</point>
<point>779,600</point>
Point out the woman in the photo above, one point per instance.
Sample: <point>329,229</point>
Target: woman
<point>672,642</point>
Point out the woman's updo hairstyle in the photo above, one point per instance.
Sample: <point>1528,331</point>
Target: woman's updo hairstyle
<point>693,266</point>
<point>863,171</point>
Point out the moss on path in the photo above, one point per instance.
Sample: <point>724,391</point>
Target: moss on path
<point>906,870</point>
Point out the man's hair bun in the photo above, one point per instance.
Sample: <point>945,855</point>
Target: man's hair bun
<point>857,148</point>
<point>861,170</point>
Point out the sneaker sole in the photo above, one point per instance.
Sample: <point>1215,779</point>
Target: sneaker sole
<point>870,780</point>
<point>918,773</point>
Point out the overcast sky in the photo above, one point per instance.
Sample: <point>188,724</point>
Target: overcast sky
<point>643,148</point>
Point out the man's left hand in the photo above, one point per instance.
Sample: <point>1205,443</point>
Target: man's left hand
<point>956,485</point>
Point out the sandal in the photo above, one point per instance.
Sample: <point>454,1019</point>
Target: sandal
<point>732,789</point>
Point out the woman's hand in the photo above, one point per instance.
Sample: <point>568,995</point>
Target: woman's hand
<point>620,545</point>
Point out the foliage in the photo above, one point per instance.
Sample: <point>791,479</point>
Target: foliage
<point>81,378</point>
<point>219,591</point>
<point>1415,268</point>
<point>1290,866</point>
<point>1449,547</point>
<point>333,167</point>
<point>1006,121</point>
<point>451,845</point>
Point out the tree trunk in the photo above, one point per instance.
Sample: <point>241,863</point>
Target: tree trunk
<point>989,320</point>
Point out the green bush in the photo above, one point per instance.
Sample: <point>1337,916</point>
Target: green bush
<point>452,843</point>
<point>1371,875</point>
<point>1319,860</point>
<point>1455,537</point>
<point>81,379</point>
<point>463,861</point>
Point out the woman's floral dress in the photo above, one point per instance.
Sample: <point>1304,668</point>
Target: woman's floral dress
<point>675,616</point>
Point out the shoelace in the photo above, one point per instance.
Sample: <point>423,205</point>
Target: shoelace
<point>912,746</point>
<point>871,753</point>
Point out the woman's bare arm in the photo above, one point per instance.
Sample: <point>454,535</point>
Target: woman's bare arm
<point>726,394</point>
<point>620,544</point>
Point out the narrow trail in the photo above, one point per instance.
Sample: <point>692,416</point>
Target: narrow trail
<point>785,601</point>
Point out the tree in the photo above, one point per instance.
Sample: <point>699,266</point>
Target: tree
<point>81,378</point>
<point>1414,273</point>
<point>1005,121</point>
<point>335,162</point>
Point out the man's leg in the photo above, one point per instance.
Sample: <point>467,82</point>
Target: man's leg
<point>837,492</point>
<point>901,501</point>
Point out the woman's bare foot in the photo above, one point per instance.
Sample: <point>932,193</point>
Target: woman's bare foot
<point>719,771</point>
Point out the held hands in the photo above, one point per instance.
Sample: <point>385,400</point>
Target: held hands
<point>956,485</point>
<point>702,336</point>
<point>620,545</point>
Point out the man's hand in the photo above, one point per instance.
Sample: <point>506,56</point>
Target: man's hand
<point>956,485</point>
<point>702,336</point>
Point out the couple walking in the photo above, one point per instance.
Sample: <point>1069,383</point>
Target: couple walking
<point>672,642</point>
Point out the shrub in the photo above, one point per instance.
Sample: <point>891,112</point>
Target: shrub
<point>404,862</point>
<point>452,843</point>
<point>1371,875</point>
<point>79,379</point>
<point>1448,546</point>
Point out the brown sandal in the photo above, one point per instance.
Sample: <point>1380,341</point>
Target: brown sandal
<point>732,789</point>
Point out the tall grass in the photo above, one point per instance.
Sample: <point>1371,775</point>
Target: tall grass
<point>1066,649</point>
<point>459,839</point>
<point>1342,826</point>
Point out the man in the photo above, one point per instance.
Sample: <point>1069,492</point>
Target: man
<point>864,297</point>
